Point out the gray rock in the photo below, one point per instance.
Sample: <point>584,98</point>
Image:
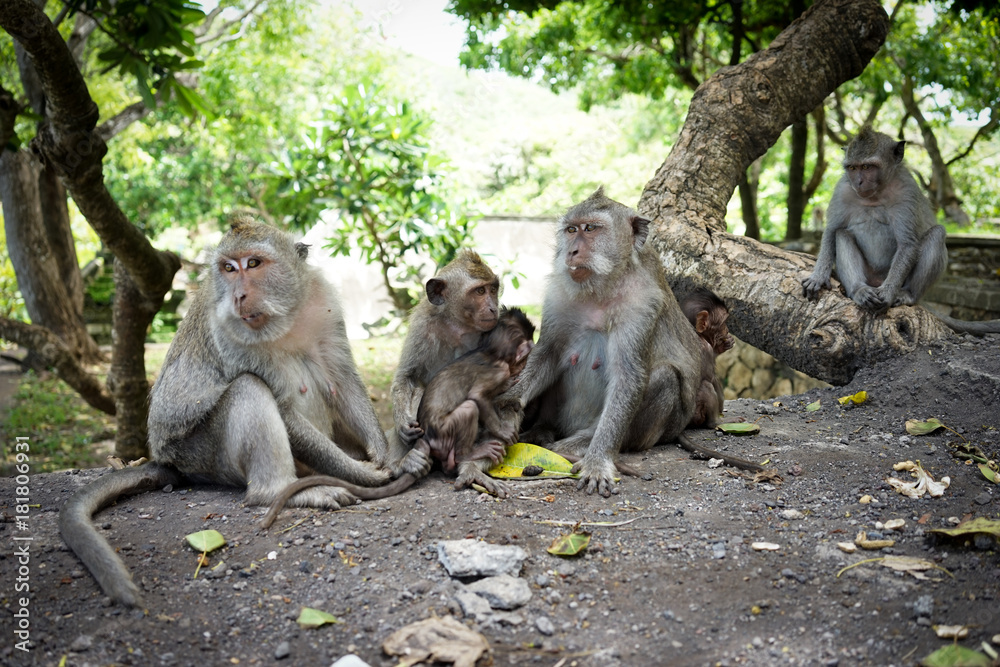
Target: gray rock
<point>283,651</point>
<point>473,606</point>
<point>545,626</point>
<point>924,606</point>
<point>502,591</point>
<point>81,643</point>
<point>472,558</point>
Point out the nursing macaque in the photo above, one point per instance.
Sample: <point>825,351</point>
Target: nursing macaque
<point>461,304</point>
<point>708,314</point>
<point>617,366</point>
<point>258,378</point>
<point>459,398</point>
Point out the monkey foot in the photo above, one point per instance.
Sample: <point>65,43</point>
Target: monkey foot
<point>328,497</point>
<point>596,476</point>
<point>471,474</point>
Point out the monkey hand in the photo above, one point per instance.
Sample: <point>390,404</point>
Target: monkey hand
<point>870,299</point>
<point>596,475</point>
<point>417,461</point>
<point>813,284</point>
<point>410,432</point>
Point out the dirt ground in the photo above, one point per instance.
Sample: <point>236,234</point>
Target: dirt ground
<point>679,584</point>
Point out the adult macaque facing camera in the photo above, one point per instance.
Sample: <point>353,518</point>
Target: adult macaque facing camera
<point>258,378</point>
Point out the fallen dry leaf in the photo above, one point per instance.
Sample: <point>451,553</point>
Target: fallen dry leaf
<point>436,640</point>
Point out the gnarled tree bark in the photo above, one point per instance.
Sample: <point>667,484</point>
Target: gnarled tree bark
<point>735,117</point>
<point>68,143</point>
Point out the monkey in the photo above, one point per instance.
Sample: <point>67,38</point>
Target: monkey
<point>460,397</point>
<point>881,231</point>
<point>882,234</point>
<point>461,303</point>
<point>258,377</point>
<point>708,314</point>
<point>617,366</point>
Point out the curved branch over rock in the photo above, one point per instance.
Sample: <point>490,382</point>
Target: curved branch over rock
<point>733,119</point>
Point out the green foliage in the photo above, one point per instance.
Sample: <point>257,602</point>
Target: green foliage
<point>367,158</point>
<point>153,42</point>
<point>608,49</point>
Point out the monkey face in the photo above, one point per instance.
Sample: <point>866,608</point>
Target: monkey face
<point>481,305</point>
<point>585,248</point>
<point>865,178</point>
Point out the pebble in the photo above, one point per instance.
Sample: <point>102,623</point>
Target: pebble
<point>984,498</point>
<point>792,515</point>
<point>544,625</point>
<point>924,606</point>
<point>81,643</point>
<point>718,550</point>
<point>350,660</point>
<point>283,651</point>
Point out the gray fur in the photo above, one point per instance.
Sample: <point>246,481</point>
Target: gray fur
<point>617,365</point>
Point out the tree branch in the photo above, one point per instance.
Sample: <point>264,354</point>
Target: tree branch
<point>54,353</point>
<point>734,117</point>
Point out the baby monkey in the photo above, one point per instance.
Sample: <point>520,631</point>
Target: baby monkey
<point>708,314</point>
<point>460,396</point>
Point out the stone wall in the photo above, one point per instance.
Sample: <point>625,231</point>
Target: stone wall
<point>751,373</point>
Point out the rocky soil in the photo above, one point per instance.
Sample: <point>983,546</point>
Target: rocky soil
<point>671,576</point>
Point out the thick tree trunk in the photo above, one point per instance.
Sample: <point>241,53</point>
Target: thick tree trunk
<point>735,117</point>
<point>133,313</point>
<point>42,252</point>
<point>69,144</point>
<point>796,179</point>
<point>748,207</point>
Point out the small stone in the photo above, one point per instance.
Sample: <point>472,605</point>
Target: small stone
<point>283,651</point>
<point>847,547</point>
<point>865,499</point>
<point>764,546</point>
<point>81,644</point>
<point>792,515</point>
<point>544,625</point>
<point>924,606</point>
<point>350,660</point>
<point>984,498</point>
<point>502,591</point>
<point>895,524</point>
<point>472,558</point>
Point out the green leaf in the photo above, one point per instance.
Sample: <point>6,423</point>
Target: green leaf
<point>739,429</point>
<point>314,618</point>
<point>521,455</point>
<point>206,541</point>
<point>813,407</point>
<point>989,474</point>
<point>569,545</point>
<point>977,525</point>
<point>915,427</point>
<point>956,656</point>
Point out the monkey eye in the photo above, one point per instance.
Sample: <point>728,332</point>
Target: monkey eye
<point>480,290</point>
<point>253,262</point>
<point>589,227</point>
<point>571,229</point>
<point>228,267</point>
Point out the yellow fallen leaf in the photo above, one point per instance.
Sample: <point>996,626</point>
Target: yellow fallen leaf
<point>857,398</point>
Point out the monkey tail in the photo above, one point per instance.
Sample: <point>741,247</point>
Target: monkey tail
<point>974,328</point>
<point>90,547</point>
<point>693,447</point>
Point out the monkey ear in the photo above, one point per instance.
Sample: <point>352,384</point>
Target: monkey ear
<point>302,250</point>
<point>701,321</point>
<point>897,151</point>
<point>640,230</point>
<point>435,291</point>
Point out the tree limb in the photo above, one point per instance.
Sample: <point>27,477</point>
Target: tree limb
<point>55,354</point>
<point>735,117</point>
